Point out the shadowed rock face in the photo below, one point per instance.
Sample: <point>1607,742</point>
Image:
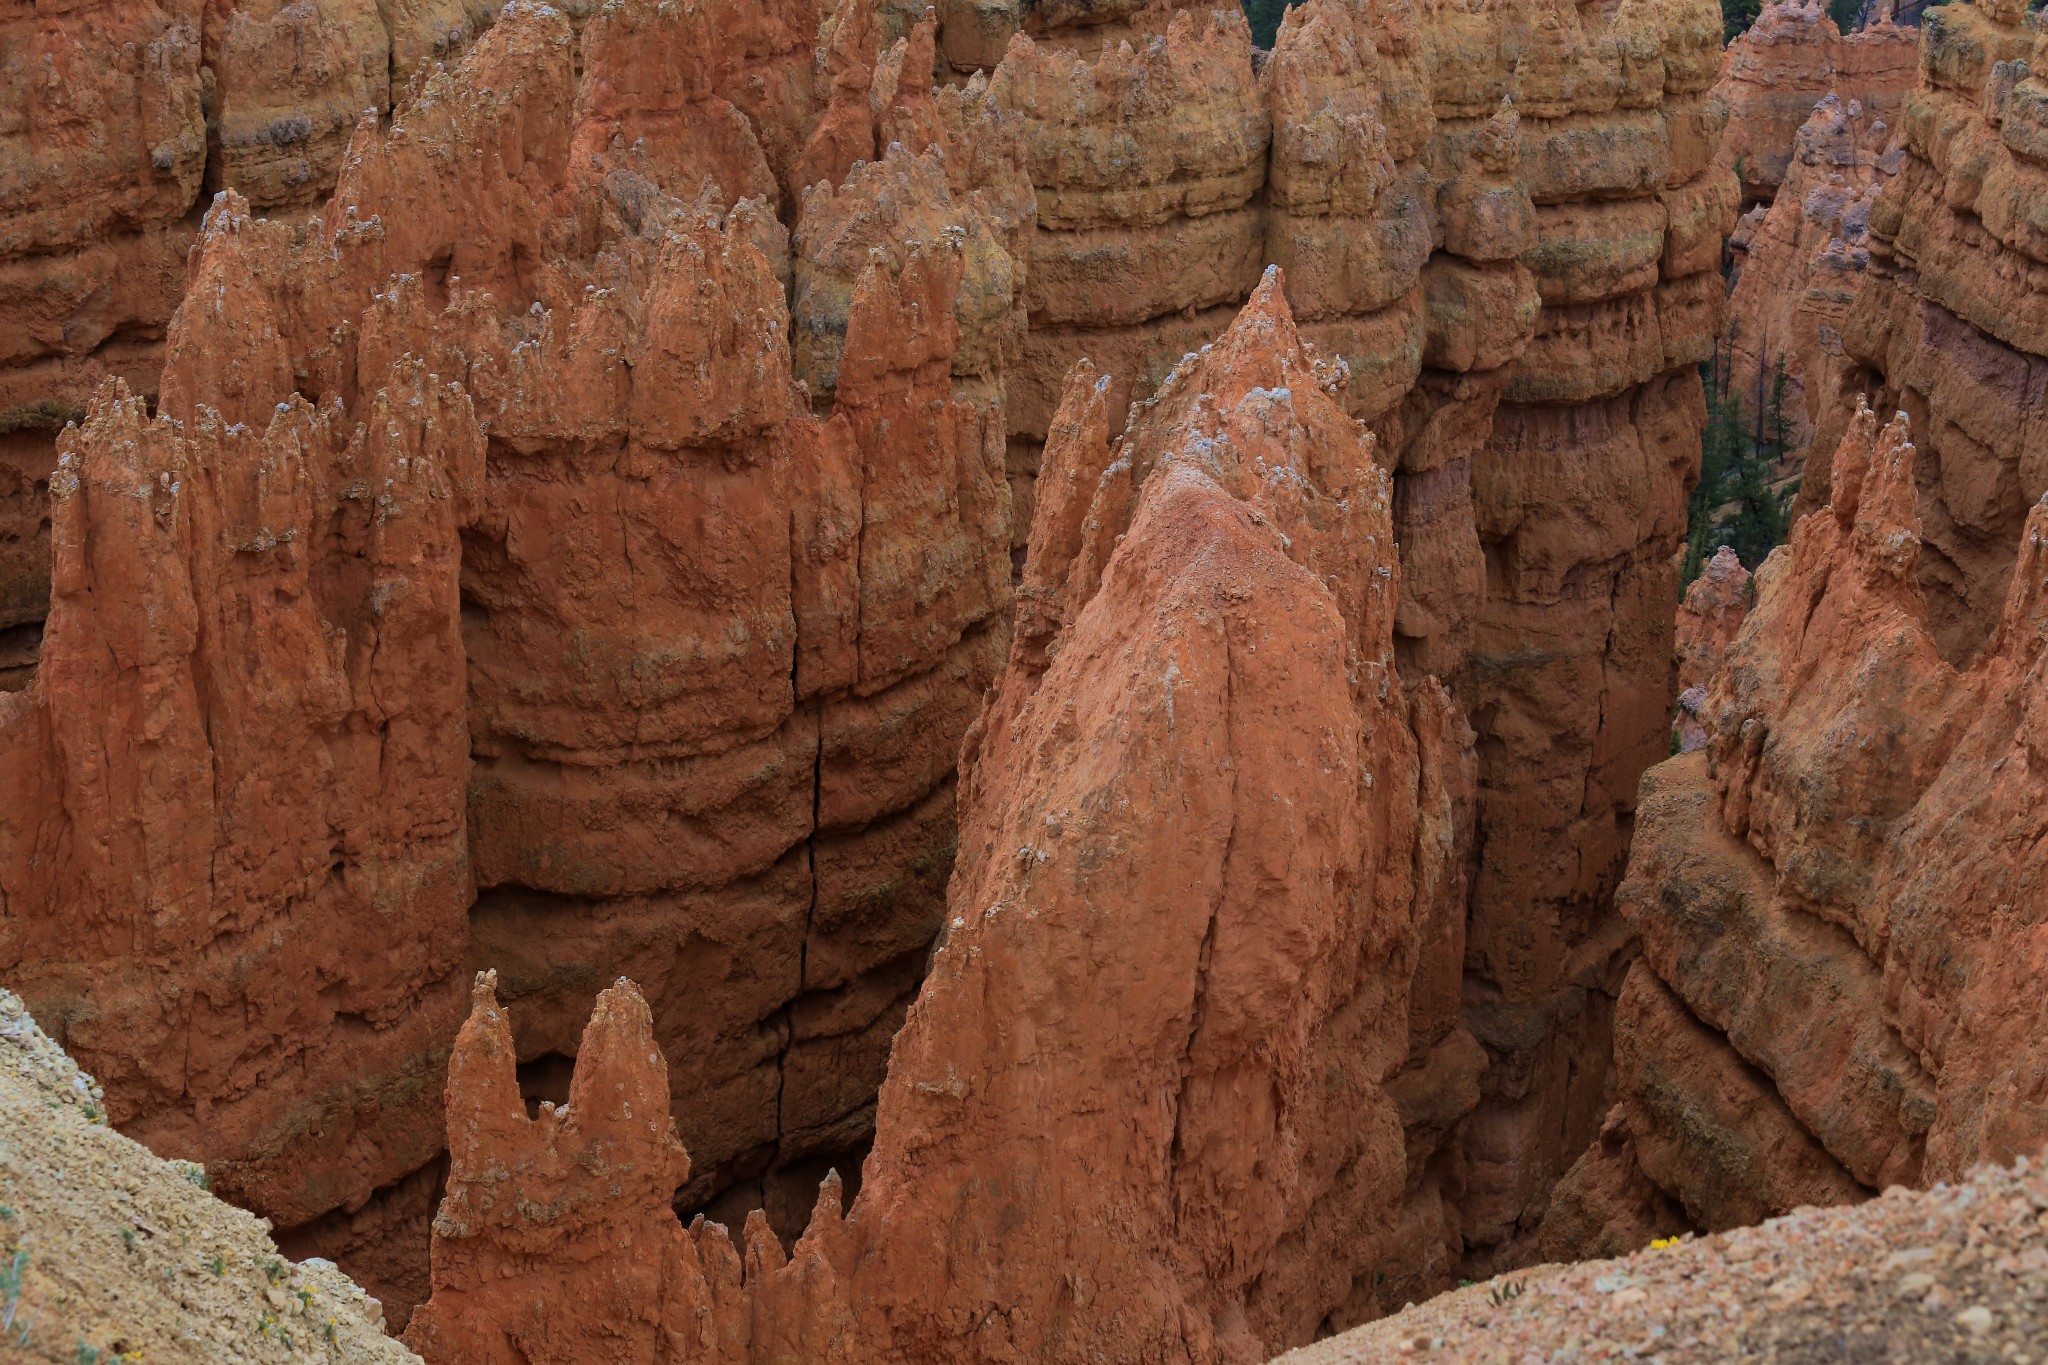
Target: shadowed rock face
<point>1149,1103</point>
<point>1835,1022</point>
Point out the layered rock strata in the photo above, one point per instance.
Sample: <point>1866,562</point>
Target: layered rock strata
<point>747,371</point>
<point>1800,261</point>
<point>1790,59</point>
<point>1578,491</point>
<point>1507,225</point>
<point>119,118</point>
<point>730,762</point>
<point>1830,1023</point>
<point>1949,327</point>
<point>1153,1101</point>
<point>485,584</point>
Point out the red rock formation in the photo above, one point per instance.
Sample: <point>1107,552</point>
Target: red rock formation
<point>232,841</point>
<point>1945,329</point>
<point>1149,1103</point>
<point>1713,610</point>
<point>1559,258</point>
<point>1146,160</point>
<point>1579,489</point>
<point>1708,618</point>
<point>117,117</point>
<point>1800,262</point>
<point>103,151</point>
<point>1792,57</point>
<point>1833,1022</point>
<point>718,651</point>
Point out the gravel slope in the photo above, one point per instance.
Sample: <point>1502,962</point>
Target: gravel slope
<point>108,1253</point>
<point>1956,1273</point>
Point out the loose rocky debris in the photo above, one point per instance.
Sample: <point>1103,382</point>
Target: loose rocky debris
<point>1955,1273</point>
<point>108,1253</point>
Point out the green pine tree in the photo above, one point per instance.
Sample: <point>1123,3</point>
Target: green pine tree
<point>1734,503</point>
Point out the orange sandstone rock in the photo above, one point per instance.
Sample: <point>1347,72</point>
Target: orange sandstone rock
<point>1801,261</point>
<point>711,653</point>
<point>732,579</point>
<point>1943,328</point>
<point>1149,1102</point>
<point>1798,885</point>
<point>1708,618</point>
<point>1713,610</point>
<point>1792,57</point>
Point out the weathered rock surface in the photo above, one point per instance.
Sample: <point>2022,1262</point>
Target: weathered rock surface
<point>1713,610</point>
<point>485,586</point>
<point>232,843</point>
<point>1714,606</point>
<point>750,359</point>
<point>119,118</point>
<point>1801,260</point>
<point>1520,294</point>
<point>1830,1019</point>
<point>109,1252</point>
<point>1791,58</point>
<point>1947,328</point>
<point>1157,1098</point>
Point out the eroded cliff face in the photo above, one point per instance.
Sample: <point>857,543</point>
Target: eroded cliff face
<point>1817,1013</point>
<point>1791,58</point>
<point>1801,260</point>
<point>1153,1101</point>
<point>1506,223</point>
<point>1711,613</point>
<point>485,585</point>
<point>120,118</point>
<point>1946,328</point>
<point>734,366</point>
<point>1817,1021</point>
<point>1812,132</point>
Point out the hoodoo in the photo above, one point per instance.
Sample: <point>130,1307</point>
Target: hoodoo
<point>1834,893</point>
<point>1162,1092</point>
<point>1067,620</point>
